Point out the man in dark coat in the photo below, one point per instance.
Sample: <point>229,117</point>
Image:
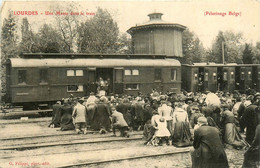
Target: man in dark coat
<point>118,122</point>
<point>207,110</point>
<point>56,115</point>
<point>209,151</point>
<point>195,114</point>
<point>247,120</point>
<point>137,114</point>
<point>124,108</point>
<point>101,120</point>
<point>66,116</point>
<point>252,155</point>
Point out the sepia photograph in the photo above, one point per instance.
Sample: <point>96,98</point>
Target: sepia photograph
<point>140,83</point>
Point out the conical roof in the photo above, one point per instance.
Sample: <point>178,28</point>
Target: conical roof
<point>155,22</point>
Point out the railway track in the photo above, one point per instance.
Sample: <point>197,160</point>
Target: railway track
<point>95,153</point>
<point>17,114</point>
<point>104,163</point>
<point>29,120</point>
<point>67,142</point>
<point>66,149</point>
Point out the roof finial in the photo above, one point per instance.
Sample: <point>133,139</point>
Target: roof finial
<point>155,16</point>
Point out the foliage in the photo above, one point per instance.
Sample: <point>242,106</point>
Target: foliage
<point>98,34</point>
<point>124,45</point>
<point>256,53</point>
<point>193,50</point>
<point>67,26</point>
<point>50,40</point>
<point>247,55</point>
<point>8,44</point>
<point>29,41</point>
<point>232,43</point>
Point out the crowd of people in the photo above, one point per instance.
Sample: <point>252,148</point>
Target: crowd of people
<point>208,121</point>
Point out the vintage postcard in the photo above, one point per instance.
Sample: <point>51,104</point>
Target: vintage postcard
<point>125,83</point>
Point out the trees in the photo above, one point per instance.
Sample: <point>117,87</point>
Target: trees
<point>247,55</point>
<point>50,41</point>
<point>256,53</point>
<point>98,34</point>
<point>217,48</point>
<point>124,45</point>
<point>231,43</point>
<point>29,41</point>
<point>8,44</point>
<point>193,50</point>
<point>67,26</point>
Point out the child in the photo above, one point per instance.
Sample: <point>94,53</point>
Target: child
<point>162,133</point>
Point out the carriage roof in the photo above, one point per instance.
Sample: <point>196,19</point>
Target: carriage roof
<point>93,62</point>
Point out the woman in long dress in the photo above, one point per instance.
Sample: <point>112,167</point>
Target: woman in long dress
<point>66,116</point>
<point>181,127</point>
<point>231,135</point>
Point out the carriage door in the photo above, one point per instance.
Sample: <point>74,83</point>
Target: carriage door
<point>220,78</point>
<point>255,77</point>
<point>201,79</point>
<point>118,80</point>
<point>206,79</point>
<point>242,79</point>
<point>91,87</point>
<point>237,78</point>
<point>225,82</point>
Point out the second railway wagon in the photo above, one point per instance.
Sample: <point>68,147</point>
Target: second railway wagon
<point>220,77</point>
<point>45,78</point>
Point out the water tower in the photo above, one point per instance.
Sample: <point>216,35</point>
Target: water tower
<point>157,37</point>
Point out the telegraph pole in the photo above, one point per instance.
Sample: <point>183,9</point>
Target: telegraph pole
<point>223,55</point>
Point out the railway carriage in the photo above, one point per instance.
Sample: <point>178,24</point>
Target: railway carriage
<point>220,77</point>
<point>45,78</point>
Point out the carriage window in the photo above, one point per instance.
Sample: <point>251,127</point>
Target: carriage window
<point>127,72</point>
<point>225,76</point>
<point>232,75</point>
<point>214,76</point>
<point>131,72</point>
<point>70,72</point>
<point>75,88</point>
<point>249,75</point>
<point>132,86</point>
<point>174,74</point>
<point>157,74</point>
<point>242,76</point>
<point>79,72</point>
<point>195,76</point>
<point>135,72</point>
<point>206,76</point>
<point>43,75</point>
<point>22,76</point>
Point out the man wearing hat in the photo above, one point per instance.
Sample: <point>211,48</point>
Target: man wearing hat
<point>118,122</point>
<point>79,116</point>
<point>208,148</point>
<point>249,116</point>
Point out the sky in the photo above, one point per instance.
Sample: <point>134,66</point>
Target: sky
<point>197,15</point>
